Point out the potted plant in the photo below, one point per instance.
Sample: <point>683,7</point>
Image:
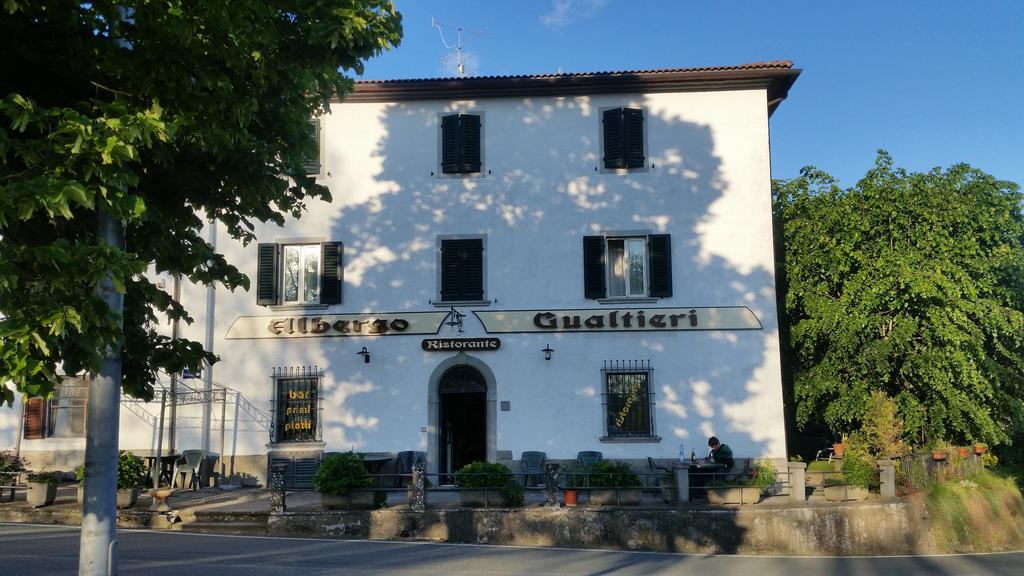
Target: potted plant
<point>42,488</point>
<point>344,483</point>
<point>571,473</point>
<point>130,470</point>
<point>839,448</point>
<point>487,484</point>
<point>858,475</point>
<point>980,448</point>
<point>749,490</point>
<point>80,479</point>
<point>614,483</point>
<point>11,465</point>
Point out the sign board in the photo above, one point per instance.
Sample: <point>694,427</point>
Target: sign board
<point>460,344</point>
<point>619,320</point>
<point>335,325</point>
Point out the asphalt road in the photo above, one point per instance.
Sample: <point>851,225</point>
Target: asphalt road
<point>50,550</point>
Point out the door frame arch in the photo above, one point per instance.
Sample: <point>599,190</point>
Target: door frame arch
<point>434,406</point>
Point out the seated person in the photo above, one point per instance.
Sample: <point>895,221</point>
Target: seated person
<point>720,453</point>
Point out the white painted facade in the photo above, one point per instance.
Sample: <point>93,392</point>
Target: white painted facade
<point>541,190</point>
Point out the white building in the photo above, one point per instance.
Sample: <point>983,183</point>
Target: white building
<point>621,221</point>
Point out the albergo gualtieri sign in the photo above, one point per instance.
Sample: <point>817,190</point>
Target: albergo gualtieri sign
<point>495,322</point>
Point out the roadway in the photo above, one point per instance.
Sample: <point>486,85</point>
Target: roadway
<point>30,550</point>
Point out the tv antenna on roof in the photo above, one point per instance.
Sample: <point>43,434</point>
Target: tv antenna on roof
<point>460,63</point>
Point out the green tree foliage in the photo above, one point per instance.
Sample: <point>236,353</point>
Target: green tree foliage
<point>164,115</point>
<point>911,284</point>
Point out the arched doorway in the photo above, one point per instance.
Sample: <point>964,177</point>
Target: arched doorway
<point>464,372</point>
<point>462,411</point>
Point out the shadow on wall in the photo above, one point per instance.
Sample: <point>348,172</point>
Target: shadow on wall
<point>541,191</point>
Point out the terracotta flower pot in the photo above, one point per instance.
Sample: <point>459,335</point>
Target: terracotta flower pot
<point>939,455</point>
<point>980,448</point>
<point>571,498</point>
<point>838,449</point>
<point>963,451</point>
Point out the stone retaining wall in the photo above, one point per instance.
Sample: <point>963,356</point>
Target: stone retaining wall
<point>866,528</point>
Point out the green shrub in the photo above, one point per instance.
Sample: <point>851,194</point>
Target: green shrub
<point>608,474</point>
<point>10,465</point>
<point>482,475</point>
<point>572,475</point>
<point>764,476</point>
<point>44,477</point>
<point>339,474</point>
<point>130,470</point>
<point>80,474</point>
<point>477,475</point>
<point>858,468</point>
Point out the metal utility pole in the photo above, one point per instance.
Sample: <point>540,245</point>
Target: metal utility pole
<point>98,548</point>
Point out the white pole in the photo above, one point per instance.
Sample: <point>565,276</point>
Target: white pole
<point>98,548</point>
<point>211,295</point>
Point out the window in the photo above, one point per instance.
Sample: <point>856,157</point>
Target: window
<point>628,400</point>
<point>461,269</point>
<point>460,144</point>
<point>623,141</point>
<point>299,274</point>
<point>62,415</point>
<point>313,162</point>
<point>618,267</point>
<point>297,405</point>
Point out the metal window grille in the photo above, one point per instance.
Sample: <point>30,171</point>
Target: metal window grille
<point>66,417</point>
<point>628,398</point>
<point>296,405</point>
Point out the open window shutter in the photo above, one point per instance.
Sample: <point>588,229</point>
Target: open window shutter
<point>659,251</point>
<point>462,270</point>
<point>313,161</point>
<point>593,267</point>
<point>330,272</point>
<point>613,139</point>
<point>450,144</point>
<point>470,161</point>
<point>35,418</point>
<point>267,275</point>
<point>633,137</point>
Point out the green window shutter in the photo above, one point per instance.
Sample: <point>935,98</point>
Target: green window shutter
<point>614,155</point>
<point>633,137</point>
<point>331,273</point>
<point>462,270</point>
<point>470,148</point>
<point>267,274</point>
<point>659,255</point>
<point>313,161</point>
<point>450,144</point>
<point>593,267</point>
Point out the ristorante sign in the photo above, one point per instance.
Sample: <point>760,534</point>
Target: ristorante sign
<point>334,325</point>
<point>619,320</point>
<point>460,344</point>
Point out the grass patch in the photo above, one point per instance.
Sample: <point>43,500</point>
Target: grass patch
<point>983,512</point>
<point>821,466</point>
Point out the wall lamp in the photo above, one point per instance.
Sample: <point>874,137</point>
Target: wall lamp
<point>547,352</point>
<point>365,354</point>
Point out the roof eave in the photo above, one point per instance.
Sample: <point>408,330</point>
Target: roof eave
<point>777,82</point>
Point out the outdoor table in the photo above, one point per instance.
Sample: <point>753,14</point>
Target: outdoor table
<point>701,472</point>
<point>166,467</point>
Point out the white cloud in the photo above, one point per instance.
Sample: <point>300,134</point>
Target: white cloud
<point>565,12</point>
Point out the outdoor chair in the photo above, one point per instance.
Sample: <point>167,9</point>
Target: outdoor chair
<point>588,458</point>
<point>190,461</point>
<point>532,463</point>
<point>404,463</point>
<point>655,472</point>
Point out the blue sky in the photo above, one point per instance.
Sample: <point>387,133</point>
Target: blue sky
<point>934,82</point>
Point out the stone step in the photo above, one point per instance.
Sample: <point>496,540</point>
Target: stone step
<point>234,528</point>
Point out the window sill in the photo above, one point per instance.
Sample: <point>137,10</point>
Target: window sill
<point>449,304</point>
<point>629,439</point>
<point>288,307</point>
<point>645,300</point>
